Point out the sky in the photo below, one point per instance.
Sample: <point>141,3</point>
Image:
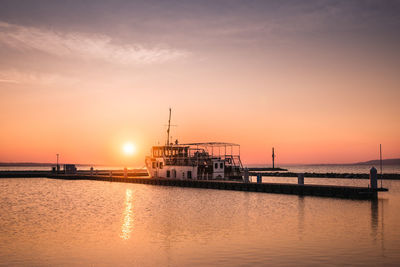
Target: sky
<point>317,80</point>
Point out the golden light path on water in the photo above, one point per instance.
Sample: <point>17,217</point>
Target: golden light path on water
<point>127,226</point>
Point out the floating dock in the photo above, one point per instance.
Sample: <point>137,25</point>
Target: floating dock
<point>333,191</point>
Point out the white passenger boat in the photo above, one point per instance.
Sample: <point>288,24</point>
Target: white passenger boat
<point>198,161</point>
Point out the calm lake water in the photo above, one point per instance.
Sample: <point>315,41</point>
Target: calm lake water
<point>63,223</point>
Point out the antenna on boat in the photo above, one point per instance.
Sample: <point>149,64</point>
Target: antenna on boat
<point>169,126</point>
<point>380,160</point>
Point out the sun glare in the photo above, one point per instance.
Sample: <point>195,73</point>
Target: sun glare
<point>129,149</point>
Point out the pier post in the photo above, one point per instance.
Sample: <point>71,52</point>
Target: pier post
<point>259,178</point>
<point>125,173</point>
<point>300,179</point>
<point>373,178</point>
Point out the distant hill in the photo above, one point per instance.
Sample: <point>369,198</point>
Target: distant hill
<point>384,161</point>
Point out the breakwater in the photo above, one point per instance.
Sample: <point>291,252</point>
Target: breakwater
<point>385,176</point>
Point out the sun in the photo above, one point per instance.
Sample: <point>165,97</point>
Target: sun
<point>129,149</point>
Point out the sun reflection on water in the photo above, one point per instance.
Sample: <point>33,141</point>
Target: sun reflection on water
<point>127,226</point>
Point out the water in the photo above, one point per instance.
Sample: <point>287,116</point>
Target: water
<point>63,223</point>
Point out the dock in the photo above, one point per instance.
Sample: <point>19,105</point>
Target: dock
<point>260,171</point>
<point>349,192</point>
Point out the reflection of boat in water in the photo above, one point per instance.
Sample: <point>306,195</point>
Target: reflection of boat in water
<point>198,161</point>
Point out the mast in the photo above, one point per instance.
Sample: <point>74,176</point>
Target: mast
<point>169,126</point>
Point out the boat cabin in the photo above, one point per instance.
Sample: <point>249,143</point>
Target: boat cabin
<point>198,161</point>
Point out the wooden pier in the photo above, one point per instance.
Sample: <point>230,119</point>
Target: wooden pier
<point>277,188</point>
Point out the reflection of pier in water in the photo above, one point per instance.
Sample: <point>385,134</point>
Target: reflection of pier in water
<point>376,216</point>
<point>301,217</point>
<point>377,222</point>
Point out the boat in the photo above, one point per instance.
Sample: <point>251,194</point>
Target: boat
<point>196,161</point>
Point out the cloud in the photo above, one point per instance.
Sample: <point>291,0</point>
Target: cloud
<point>80,45</point>
<point>8,81</point>
<point>18,77</point>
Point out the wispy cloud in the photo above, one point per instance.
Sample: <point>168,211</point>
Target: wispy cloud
<point>8,81</point>
<point>80,45</point>
<point>18,77</point>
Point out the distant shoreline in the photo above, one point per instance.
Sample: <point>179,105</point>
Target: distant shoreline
<point>36,164</point>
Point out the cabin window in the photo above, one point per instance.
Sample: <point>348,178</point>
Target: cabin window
<point>154,164</point>
<point>221,165</point>
<point>161,165</point>
<point>168,173</point>
<point>183,175</point>
<point>173,173</point>
<point>216,166</point>
<point>189,174</point>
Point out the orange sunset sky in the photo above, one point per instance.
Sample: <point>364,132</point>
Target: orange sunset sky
<point>317,80</point>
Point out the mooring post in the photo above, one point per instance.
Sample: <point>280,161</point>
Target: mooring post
<point>91,171</point>
<point>300,179</point>
<point>273,158</point>
<point>125,172</point>
<point>373,178</point>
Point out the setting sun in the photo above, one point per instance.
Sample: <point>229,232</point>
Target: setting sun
<point>129,149</point>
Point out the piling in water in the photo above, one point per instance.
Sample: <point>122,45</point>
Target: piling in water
<point>300,179</point>
<point>373,178</point>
